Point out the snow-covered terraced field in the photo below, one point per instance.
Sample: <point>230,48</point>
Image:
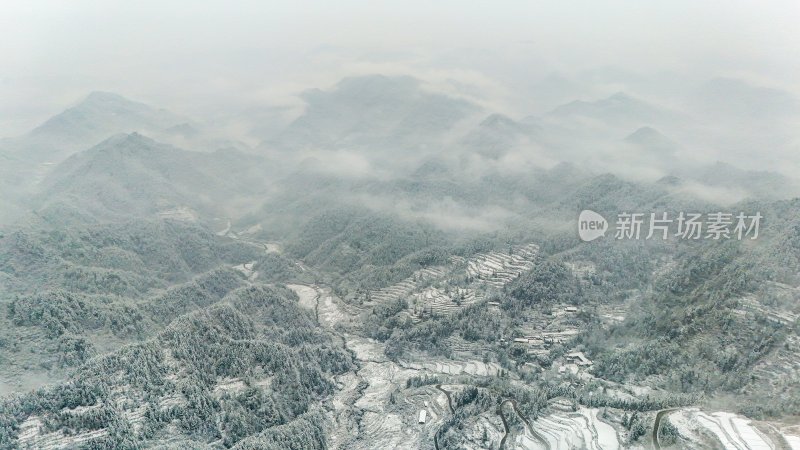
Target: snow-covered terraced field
<point>407,286</point>
<point>498,268</point>
<point>381,426</point>
<point>782,365</point>
<point>567,430</point>
<point>455,367</point>
<point>380,430</point>
<point>458,344</point>
<point>700,429</point>
<point>343,424</point>
<point>438,302</point>
<point>494,269</point>
<point>362,415</point>
<point>31,436</point>
<point>229,386</point>
<point>750,304</point>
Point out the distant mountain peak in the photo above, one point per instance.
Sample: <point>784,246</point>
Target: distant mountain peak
<point>651,139</point>
<point>183,129</point>
<point>374,112</point>
<point>368,88</point>
<point>104,96</point>
<point>97,117</point>
<point>377,80</point>
<point>670,180</point>
<point>621,97</point>
<point>498,120</point>
<point>620,107</point>
<point>735,97</point>
<point>644,133</point>
<point>496,134</point>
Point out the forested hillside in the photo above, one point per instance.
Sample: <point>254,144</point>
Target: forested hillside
<point>246,364</point>
<point>395,268</point>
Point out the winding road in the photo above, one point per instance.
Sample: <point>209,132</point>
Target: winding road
<point>449,399</point>
<point>505,426</point>
<point>657,425</point>
<point>524,419</point>
<point>452,411</point>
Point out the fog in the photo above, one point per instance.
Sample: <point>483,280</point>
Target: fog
<point>222,58</point>
<point>382,225</point>
<point>573,82</point>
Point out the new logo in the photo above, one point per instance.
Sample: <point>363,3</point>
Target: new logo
<point>591,225</point>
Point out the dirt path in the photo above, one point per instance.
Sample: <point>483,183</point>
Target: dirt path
<point>452,411</point>
<point>505,426</point>
<point>449,399</point>
<point>524,419</point>
<point>657,425</point>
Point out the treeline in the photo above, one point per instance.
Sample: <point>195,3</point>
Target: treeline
<point>475,323</point>
<point>689,330</point>
<point>693,329</point>
<point>257,335</point>
<point>549,282</point>
<point>303,433</point>
<point>362,250</point>
<point>128,258</point>
<point>70,321</point>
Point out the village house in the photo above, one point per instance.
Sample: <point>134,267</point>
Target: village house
<point>578,358</point>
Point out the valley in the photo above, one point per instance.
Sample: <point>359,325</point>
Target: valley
<point>341,285</point>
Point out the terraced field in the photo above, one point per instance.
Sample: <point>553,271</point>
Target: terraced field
<point>438,302</point>
<point>782,367</point>
<point>700,429</point>
<point>497,268</point>
<point>407,286</point>
<point>570,430</point>
<point>778,315</point>
<point>779,371</point>
<point>448,367</point>
<point>438,291</point>
<point>32,435</point>
<point>363,415</point>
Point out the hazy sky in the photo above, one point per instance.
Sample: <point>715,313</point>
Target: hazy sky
<point>220,57</point>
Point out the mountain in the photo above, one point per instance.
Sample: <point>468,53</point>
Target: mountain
<point>653,149</point>
<point>243,369</point>
<point>618,108</point>
<point>328,311</point>
<point>651,140</point>
<point>97,117</point>
<point>497,134</point>
<point>27,159</point>
<point>738,99</point>
<point>133,174</point>
<point>555,89</point>
<point>101,114</point>
<point>374,113</point>
<point>758,183</point>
